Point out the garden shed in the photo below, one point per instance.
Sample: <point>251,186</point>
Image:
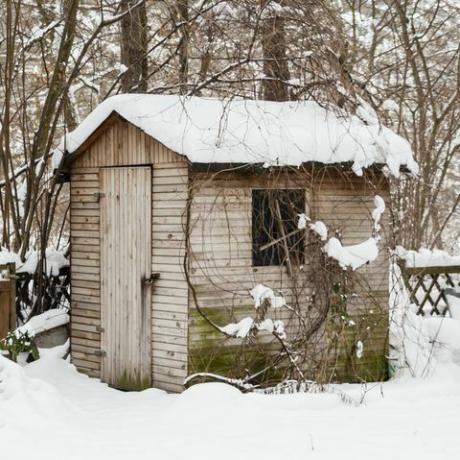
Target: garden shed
<point>187,213</point>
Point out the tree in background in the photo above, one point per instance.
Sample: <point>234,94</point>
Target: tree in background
<point>133,46</point>
<point>60,59</point>
<point>406,57</point>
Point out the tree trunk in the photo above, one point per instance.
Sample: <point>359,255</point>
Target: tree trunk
<point>276,71</point>
<point>133,43</point>
<point>182,9</point>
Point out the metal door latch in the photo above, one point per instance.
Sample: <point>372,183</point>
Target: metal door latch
<point>149,281</point>
<point>98,196</point>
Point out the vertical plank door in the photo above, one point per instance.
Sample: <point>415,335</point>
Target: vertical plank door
<point>125,266</point>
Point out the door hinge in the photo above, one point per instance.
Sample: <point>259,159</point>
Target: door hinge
<point>101,353</point>
<point>98,196</point>
<point>99,329</point>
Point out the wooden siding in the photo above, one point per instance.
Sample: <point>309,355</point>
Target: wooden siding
<point>170,292</point>
<point>120,144</point>
<point>221,243</point>
<point>85,276</point>
<point>221,261</point>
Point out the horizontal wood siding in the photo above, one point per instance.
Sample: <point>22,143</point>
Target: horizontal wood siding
<point>85,276</point>
<point>170,292</point>
<point>121,144</point>
<point>221,260</point>
<point>345,203</point>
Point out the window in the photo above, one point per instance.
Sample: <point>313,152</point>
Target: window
<point>274,227</point>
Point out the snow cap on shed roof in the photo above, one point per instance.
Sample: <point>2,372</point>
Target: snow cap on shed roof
<point>208,130</point>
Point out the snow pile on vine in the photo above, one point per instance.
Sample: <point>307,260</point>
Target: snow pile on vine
<point>262,296</point>
<point>353,256</point>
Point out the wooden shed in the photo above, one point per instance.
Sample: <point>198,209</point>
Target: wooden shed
<point>168,198</point>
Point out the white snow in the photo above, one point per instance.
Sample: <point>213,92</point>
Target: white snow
<point>240,329</point>
<point>390,105</point>
<point>453,301</point>
<point>379,209</point>
<point>261,294</point>
<point>49,411</point>
<point>249,132</point>
<point>353,256</point>
<point>9,257</point>
<point>243,328</point>
<point>320,229</point>
<point>367,113</point>
<point>303,220</point>
<point>55,260</point>
<point>45,321</point>
<point>39,32</point>
<point>359,349</point>
<point>427,258</point>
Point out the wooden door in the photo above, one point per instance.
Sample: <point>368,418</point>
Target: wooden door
<point>125,266</point>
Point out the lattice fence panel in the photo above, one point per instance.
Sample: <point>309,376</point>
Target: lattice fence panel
<point>426,286</point>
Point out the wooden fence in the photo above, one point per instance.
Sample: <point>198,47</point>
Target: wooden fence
<point>426,286</point>
<point>7,299</point>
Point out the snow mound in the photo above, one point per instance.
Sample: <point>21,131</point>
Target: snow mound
<point>21,394</point>
<point>430,343</point>
<point>207,130</point>
<point>421,346</point>
<point>212,391</point>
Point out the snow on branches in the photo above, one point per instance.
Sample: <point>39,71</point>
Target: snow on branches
<point>263,298</point>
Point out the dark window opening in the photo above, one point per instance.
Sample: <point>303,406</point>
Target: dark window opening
<point>274,227</point>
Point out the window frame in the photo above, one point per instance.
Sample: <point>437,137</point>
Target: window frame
<point>296,241</point>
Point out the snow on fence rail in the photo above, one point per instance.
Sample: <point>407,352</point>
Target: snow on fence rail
<point>427,286</point>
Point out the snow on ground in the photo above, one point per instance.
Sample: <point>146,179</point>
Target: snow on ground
<point>49,411</point>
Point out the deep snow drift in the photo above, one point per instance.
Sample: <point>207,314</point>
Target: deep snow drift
<point>49,411</point>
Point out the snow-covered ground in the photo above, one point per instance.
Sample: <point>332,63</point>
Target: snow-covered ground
<point>49,411</point>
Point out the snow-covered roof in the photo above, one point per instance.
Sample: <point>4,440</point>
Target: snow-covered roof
<point>209,130</point>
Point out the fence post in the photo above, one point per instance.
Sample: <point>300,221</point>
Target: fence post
<point>7,299</point>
